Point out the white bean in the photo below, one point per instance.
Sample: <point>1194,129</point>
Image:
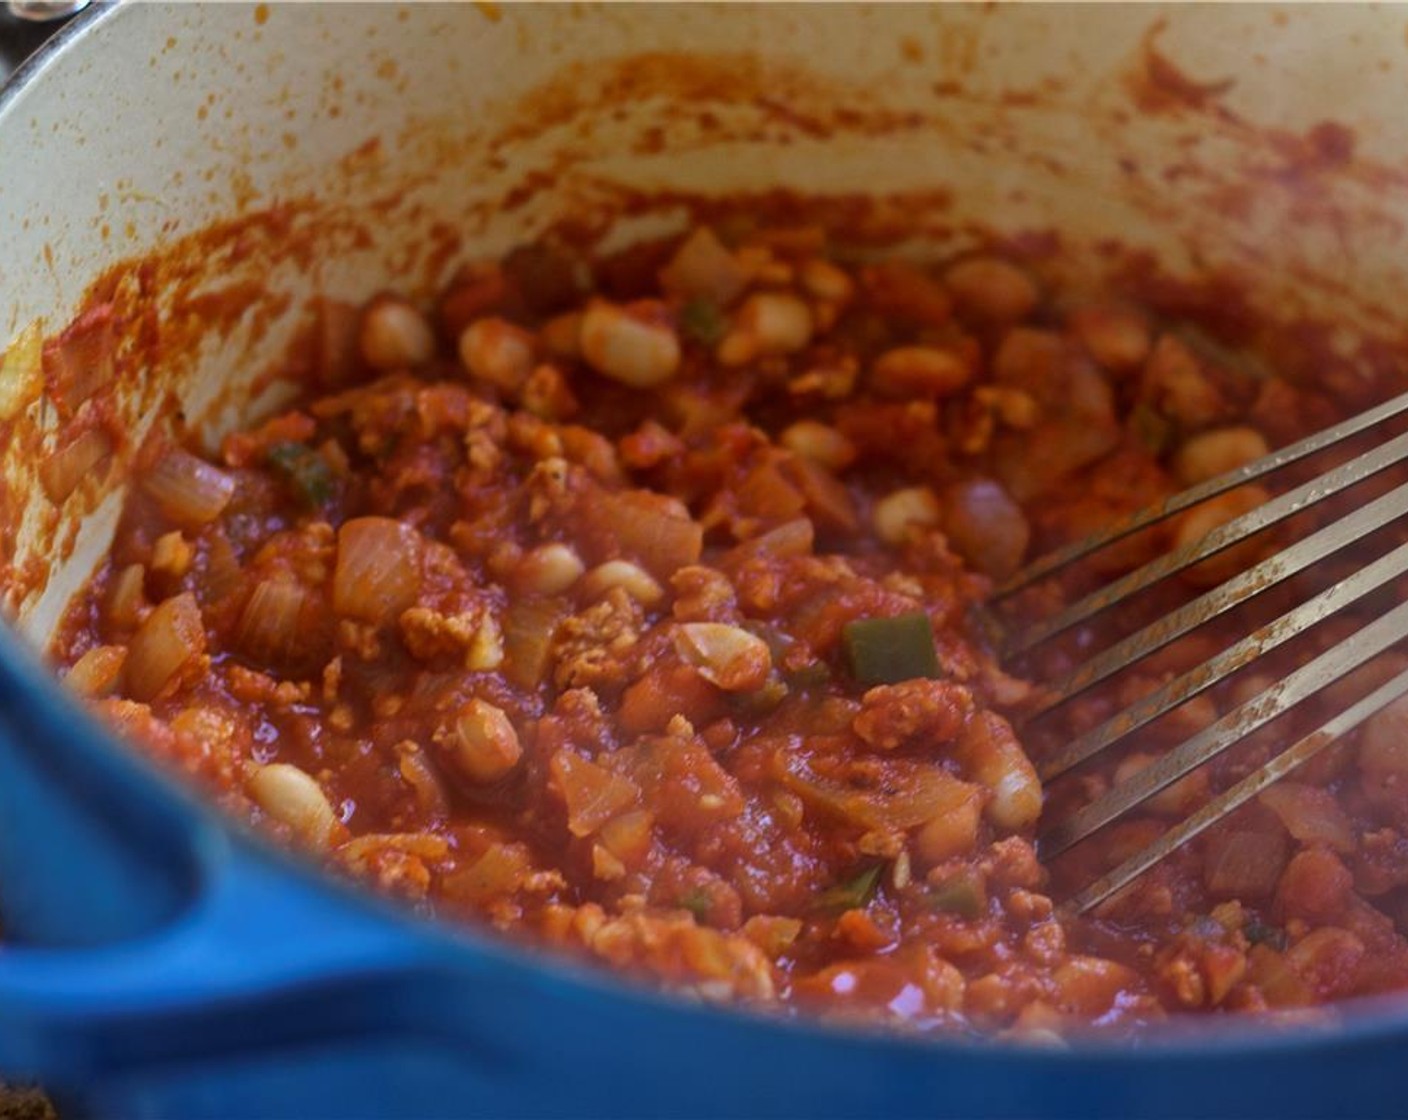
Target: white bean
<point>924,371</point>
<point>634,580</point>
<point>992,289</point>
<point>1383,744</point>
<point>895,513</point>
<point>1117,338</point>
<point>820,443</point>
<point>485,746</point>
<point>992,757</point>
<point>1201,520</point>
<point>295,799</point>
<point>826,281</point>
<point>767,325</point>
<point>548,569</point>
<point>498,352</point>
<point>394,335</point>
<point>1178,799</point>
<point>727,656</point>
<point>1209,454</point>
<point>635,346</point>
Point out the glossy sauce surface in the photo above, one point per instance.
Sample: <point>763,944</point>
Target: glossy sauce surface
<point>634,606</point>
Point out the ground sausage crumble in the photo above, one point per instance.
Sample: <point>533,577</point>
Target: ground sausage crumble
<point>637,612</point>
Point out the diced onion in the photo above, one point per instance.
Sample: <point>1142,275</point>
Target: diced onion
<point>80,361</point>
<point>1276,979</point>
<point>953,830</point>
<point>910,794</point>
<point>22,372</point>
<point>96,673</point>
<point>768,324</point>
<point>826,496</point>
<point>187,490</point>
<point>1244,864</point>
<point>791,538</point>
<point>1311,815</point>
<point>378,569</point>
<point>628,836</point>
<point>166,642</point>
<point>222,567</point>
<point>127,597</point>
<point>499,871</point>
<point>703,268</point>
<point>529,626</point>
<point>593,794</point>
<point>274,621</point>
<point>61,473</point>
<point>647,528</point>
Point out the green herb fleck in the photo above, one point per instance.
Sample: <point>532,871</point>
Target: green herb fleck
<point>854,893</point>
<point>1259,933</point>
<point>767,698</point>
<point>305,471</point>
<point>1150,428</point>
<point>1204,346</point>
<point>701,320</point>
<point>985,624</point>
<point>890,650</point>
<point>697,902</point>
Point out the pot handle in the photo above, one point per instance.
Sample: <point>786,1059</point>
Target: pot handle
<point>263,958</point>
<point>135,929</point>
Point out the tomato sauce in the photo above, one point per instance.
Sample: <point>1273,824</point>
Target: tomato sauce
<point>635,607</point>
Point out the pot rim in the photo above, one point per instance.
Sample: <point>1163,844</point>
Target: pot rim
<point>1370,1019</point>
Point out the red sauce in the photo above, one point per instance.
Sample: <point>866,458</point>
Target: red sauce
<point>634,607</point>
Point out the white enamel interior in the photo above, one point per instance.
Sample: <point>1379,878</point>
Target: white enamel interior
<point>164,117</point>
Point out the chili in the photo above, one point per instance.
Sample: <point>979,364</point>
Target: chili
<point>646,627</point>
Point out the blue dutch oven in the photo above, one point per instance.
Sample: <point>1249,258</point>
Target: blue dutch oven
<point>160,961</point>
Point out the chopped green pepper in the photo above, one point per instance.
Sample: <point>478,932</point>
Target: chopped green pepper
<point>890,650</point>
<point>701,320</point>
<point>960,895</point>
<point>814,674</point>
<point>854,893</point>
<point>306,472</point>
